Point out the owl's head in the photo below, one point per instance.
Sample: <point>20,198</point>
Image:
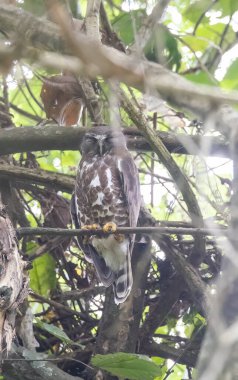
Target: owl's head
<point>102,140</point>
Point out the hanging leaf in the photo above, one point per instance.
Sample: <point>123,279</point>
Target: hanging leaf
<point>230,80</point>
<point>43,275</point>
<point>60,95</point>
<point>195,10</point>
<point>129,366</point>
<point>54,330</point>
<point>127,24</point>
<point>228,7</point>
<point>57,332</point>
<point>163,47</point>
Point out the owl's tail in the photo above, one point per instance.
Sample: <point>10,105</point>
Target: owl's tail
<point>124,280</point>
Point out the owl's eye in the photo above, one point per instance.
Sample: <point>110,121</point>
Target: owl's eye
<point>109,138</point>
<point>90,139</point>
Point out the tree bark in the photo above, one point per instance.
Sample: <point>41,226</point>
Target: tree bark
<point>13,282</point>
<point>28,365</point>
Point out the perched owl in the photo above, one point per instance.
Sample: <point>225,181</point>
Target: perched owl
<point>107,194</point>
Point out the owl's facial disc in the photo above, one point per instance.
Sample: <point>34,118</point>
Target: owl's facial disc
<point>99,142</point>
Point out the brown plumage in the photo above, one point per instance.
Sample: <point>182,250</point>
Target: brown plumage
<point>107,190</point>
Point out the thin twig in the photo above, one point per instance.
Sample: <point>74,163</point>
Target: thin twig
<point>58,305</point>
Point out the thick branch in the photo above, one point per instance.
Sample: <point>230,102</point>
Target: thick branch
<point>183,267</point>
<point>92,19</point>
<point>182,356</point>
<point>148,25</point>
<point>13,282</point>
<point>109,62</point>
<point>28,365</point>
<point>30,139</point>
<point>190,275</point>
<point>160,311</point>
<point>174,170</point>
<point>22,175</point>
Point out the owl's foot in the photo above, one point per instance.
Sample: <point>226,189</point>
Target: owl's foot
<point>109,227</point>
<point>88,227</point>
<point>91,227</point>
<point>95,226</point>
<point>119,238</point>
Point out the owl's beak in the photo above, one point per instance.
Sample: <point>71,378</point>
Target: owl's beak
<point>100,142</point>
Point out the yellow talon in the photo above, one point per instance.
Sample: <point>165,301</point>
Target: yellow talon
<point>91,227</point>
<point>109,227</point>
<point>95,226</point>
<point>87,227</point>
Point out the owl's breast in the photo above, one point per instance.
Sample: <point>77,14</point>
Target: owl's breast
<point>99,192</point>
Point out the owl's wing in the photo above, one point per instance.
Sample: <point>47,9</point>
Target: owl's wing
<point>77,224</point>
<point>130,181</point>
<point>105,274</point>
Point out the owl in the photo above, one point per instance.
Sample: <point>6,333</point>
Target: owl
<point>107,195</point>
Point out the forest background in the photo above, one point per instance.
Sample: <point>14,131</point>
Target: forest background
<point>166,72</point>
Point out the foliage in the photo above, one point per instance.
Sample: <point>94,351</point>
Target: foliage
<point>43,281</point>
<point>194,39</point>
<point>134,367</point>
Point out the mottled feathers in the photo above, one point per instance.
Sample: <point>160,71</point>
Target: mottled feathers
<point>107,190</point>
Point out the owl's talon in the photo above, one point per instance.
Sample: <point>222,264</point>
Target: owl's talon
<point>86,227</point>
<point>95,226</point>
<point>109,227</point>
<point>119,238</point>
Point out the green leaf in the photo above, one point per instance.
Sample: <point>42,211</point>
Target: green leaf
<point>130,366</point>
<point>163,44</point>
<point>196,43</point>
<point>43,275</point>
<point>194,11</point>
<point>54,330</point>
<point>57,332</point>
<point>230,80</point>
<point>202,77</point>
<point>228,7</point>
<point>127,24</point>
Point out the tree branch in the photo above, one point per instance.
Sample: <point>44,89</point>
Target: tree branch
<point>189,274</point>
<point>39,33</point>
<point>160,311</point>
<point>92,19</point>
<point>179,355</point>
<point>148,25</point>
<point>21,175</point>
<point>28,231</point>
<point>59,306</point>
<point>30,139</point>
<point>28,365</point>
<point>174,170</point>
<point>13,282</point>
